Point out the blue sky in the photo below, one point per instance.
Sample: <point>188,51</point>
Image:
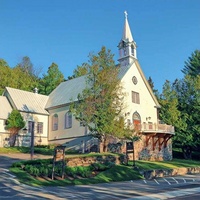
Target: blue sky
<point>66,31</point>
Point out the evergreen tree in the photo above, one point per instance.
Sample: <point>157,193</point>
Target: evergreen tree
<point>192,65</point>
<point>14,123</point>
<point>51,80</point>
<point>188,94</point>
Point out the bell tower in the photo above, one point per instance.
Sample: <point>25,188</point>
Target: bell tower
<point>127,46</point>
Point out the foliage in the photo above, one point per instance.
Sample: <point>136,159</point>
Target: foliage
<point>151,83</point>
<point>14,123</point>
<point>100,104</point>
<point>5,74</point>
<point>180,103</point>
<point>192,65</point>
<point>188,93</point>
<point>51,80</point>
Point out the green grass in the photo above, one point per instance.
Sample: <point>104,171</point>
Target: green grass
<point>175,163</point>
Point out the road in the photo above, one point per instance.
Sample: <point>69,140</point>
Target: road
<point>181,187</point>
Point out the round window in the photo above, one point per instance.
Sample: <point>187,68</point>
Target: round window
<point>134,79</point>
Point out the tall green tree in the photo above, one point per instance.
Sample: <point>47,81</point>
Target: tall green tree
<point>155,91</point>
<point>14,123</point>
<point>5,75</point>
<point>180,103</point>
<point>100,104</point>
<point>192,65</point>
<point>188,94</point>
<point>50,80</point>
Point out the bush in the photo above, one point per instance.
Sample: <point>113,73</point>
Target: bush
<point>84,172</point>
<point>71,171</point>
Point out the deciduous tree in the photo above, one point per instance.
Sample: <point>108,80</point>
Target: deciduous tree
<point>100,104</point>
<point>14,123</point>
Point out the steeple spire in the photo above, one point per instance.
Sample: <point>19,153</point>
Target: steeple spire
<point>127,46</point>
<point>127,31</point>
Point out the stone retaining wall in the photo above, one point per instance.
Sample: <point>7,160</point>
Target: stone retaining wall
<point>86,161</point>
<point>151,174</point>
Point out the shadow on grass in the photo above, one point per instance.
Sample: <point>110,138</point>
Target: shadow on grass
<point>116,173</point>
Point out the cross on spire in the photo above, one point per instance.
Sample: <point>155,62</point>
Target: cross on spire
<point>126,14</point>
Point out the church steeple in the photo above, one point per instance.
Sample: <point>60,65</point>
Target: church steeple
<point>127,31</point>
<point>127,46</point>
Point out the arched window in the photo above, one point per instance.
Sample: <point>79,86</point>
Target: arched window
<point>132,50</point>
<point>55,122</point>
<point>136,121</point>
<point>68,120</point>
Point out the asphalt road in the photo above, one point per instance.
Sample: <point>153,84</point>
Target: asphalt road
<point>181,187</point>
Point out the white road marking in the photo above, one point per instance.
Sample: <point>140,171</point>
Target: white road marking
<point>156,181</point>
<point>174,180</point>
<point>184,180</point>
<point>145,181</point>
<point>167,181</point>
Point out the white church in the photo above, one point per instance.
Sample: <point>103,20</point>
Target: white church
<point>54,124</point>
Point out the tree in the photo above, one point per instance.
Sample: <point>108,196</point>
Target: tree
<point>80,71</point>
<point>5,74</point>
<point>51,80</point>
<point>151,83</point>
<point>180,103</point>
<point>192,65</point>
<point>14,123</point>
<point>100,104</point>
<point>188,94</point>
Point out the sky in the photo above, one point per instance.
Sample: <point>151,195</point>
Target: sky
<point>66,31</point>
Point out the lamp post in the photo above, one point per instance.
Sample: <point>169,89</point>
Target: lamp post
<point>32,139</point>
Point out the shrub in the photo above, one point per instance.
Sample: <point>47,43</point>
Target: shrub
<point>84,172</point>
<point>71,171</point>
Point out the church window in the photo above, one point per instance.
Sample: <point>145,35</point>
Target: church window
<point>40,127</point>
<point>136,121</point>
<point>124,51</point>
<point>132,50</point>
<point>68,120</point>
<point>135,97</point>
<point>134,79</point>
<point>55,122</point>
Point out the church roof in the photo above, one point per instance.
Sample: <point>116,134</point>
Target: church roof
<point>5,108</point>
<point>26,101</point>
<point>66,92</point>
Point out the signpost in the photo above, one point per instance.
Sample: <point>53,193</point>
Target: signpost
<point>59,156</point>
<point>130,149</point>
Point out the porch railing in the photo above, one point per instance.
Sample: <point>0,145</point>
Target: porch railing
<point>154,127</point>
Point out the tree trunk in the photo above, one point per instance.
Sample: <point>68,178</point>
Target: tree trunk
<point>105,144</point>
<point>187,152</point>
<point>12,140</point>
